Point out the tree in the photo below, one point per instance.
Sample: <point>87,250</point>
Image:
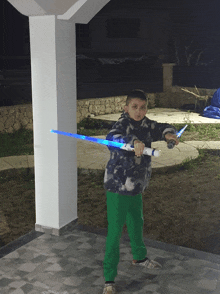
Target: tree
<point>188,54</point>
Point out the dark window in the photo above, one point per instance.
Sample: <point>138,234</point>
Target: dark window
<point>123,27</point>
<point>82,36</point>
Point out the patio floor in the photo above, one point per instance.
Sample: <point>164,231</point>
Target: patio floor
<point>73,263</point>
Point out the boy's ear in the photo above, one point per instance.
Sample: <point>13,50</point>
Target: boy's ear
<point>126,108</point>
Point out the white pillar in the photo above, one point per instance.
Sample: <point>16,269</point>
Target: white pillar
<point>53,70</point>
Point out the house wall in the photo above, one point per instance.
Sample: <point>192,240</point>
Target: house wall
<point>183,24</point>
<point>13,21</point>
<point>147,41</point>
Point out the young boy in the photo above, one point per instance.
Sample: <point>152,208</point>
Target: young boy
<point>127,175</point>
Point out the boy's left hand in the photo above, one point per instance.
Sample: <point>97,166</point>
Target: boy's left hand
<point>170,136</point>
<point>138,148</point>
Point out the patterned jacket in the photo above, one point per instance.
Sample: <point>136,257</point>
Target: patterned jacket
<point>125,173</point>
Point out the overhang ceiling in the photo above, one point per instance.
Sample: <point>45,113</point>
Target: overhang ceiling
<point>82,10</point>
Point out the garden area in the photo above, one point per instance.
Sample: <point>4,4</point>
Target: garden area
<point>181,205</point>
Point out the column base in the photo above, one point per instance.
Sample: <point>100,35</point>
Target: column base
<point>54,231</point>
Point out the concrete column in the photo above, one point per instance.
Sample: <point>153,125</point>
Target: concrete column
<point>53,70</point>
<point>168,76</point>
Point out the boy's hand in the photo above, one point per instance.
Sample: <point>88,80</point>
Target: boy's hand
<point>169,137</point>
<point>138,148</point>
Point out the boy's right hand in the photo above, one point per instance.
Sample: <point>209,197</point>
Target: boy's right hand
<point>138,148</point>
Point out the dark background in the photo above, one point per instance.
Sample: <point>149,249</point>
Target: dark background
<point>174,30</point>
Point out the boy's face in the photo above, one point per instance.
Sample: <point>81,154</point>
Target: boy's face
<point>136,109</point>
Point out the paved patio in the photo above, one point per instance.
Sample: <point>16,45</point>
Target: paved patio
<point>72,263</point>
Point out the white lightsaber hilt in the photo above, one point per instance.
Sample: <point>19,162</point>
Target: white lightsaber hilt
<point>147,151</point>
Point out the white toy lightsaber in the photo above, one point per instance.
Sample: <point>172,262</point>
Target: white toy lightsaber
<point>123,146</point>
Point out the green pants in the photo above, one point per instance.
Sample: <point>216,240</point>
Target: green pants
<point>121,208</point>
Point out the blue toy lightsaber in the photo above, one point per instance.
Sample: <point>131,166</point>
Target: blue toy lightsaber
<point>123,146</point>
<point>171,143</point>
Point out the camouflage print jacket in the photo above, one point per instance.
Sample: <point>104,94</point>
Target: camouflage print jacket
<point>125,173</point>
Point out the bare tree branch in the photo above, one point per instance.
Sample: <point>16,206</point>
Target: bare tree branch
<point>177,55</point>
<point>206,97</point>
<point>197,89</point>
<point>199,57</point>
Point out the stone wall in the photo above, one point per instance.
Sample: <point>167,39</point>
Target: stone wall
<point>12,117</point>
<point>176,98</point>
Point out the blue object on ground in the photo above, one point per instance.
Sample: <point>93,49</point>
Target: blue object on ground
<point>216,99</point>
<point>213,111</point>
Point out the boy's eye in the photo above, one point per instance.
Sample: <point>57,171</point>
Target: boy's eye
<point>135,106</point>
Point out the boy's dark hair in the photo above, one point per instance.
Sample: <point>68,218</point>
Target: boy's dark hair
<point>136,94</point>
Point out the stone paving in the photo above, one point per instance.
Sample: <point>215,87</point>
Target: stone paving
<point>73,263</point>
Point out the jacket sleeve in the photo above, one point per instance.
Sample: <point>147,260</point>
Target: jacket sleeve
<point>118,134</point>
<point>159,130</point>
